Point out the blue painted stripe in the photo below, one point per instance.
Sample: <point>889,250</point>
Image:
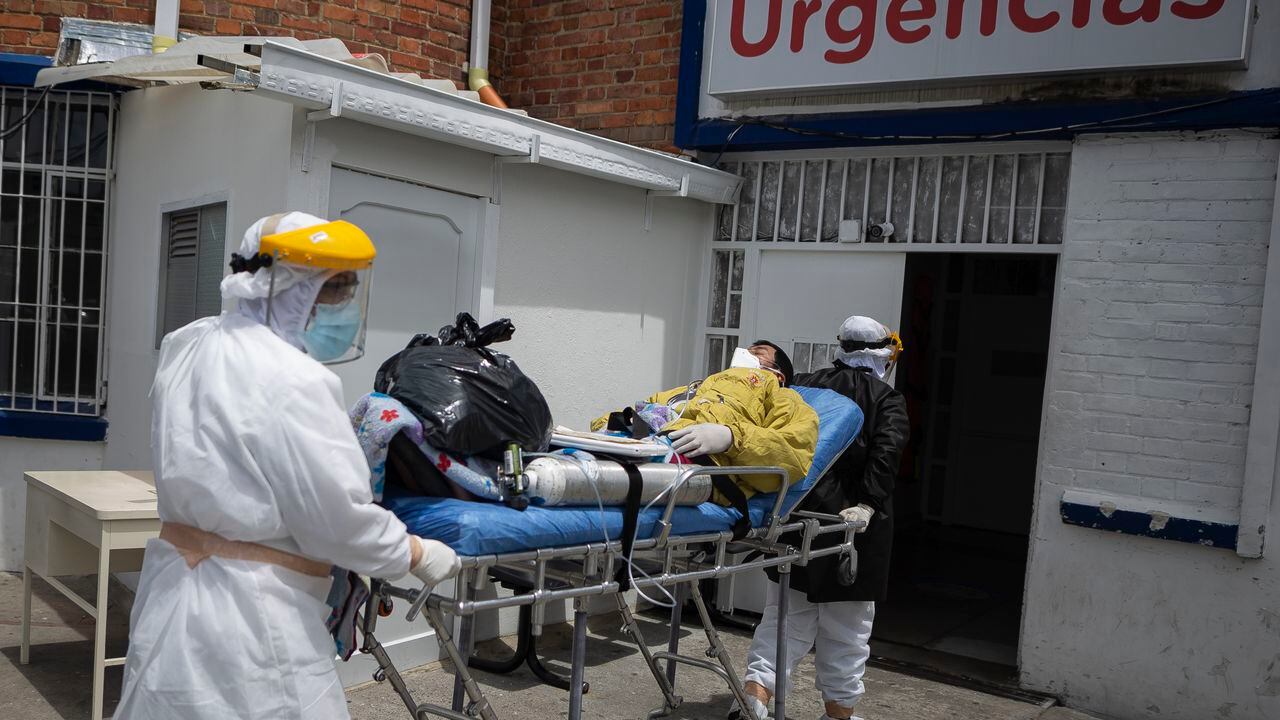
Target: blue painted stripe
<point>1000,121</point>
<point>47,426</point>
<point>689,90</point>
<point>1128,522</point>
<point>20,70</point>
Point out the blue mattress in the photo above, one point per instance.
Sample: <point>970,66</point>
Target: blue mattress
<point>474,528</point>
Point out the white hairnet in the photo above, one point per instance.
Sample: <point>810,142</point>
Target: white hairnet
<point>865,329</point>
<point>295,288</point>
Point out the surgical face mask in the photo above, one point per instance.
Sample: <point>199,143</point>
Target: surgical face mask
<point>742,358</point>
<point>332,330</point>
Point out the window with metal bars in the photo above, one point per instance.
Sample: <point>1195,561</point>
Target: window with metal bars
<point>720,352</point>
<point>978,199</point>
<point>810,355</point>
<point>55,160</point>
<point>191,271</point>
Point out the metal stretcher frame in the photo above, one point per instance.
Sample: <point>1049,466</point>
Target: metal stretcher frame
<point>579,572</point>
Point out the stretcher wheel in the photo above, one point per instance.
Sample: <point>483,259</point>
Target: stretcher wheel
<point>384,607</point>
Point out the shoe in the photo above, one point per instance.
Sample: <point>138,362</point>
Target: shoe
<point>760,709</point>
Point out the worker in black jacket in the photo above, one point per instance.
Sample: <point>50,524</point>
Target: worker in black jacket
<point>825,609</point>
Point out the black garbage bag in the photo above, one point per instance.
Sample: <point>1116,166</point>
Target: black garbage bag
<point>471,400</point>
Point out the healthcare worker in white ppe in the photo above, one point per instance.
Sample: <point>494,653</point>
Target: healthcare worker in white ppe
<point>262,488</point>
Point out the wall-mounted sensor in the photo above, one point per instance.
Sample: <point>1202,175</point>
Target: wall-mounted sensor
<point>850,231</point>
<point>880,231</point>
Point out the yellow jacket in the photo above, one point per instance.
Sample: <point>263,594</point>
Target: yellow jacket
<point>771,425</point>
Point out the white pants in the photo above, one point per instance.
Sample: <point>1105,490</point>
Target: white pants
<point>841,632</point>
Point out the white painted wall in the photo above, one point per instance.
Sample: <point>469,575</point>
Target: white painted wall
<point>1148,393</point>
<point>604,309</point>
<point>18,455</point>
<point>176,145</point>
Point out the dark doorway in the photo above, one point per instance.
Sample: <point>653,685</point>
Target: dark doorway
<point>976,331</point>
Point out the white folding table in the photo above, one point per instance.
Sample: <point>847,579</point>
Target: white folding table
<point>80,523</point>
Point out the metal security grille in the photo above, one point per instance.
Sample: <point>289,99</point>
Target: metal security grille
<point>982,199</point>
<point>951,199</point>
<point>55,160</point>
<point>809,355</point>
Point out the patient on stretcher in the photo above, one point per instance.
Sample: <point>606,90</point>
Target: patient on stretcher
<point>742,416</point>
<point>768,423</point>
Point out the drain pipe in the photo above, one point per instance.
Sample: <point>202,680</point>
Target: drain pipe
<point>165,34</point>
<point>478,72</point>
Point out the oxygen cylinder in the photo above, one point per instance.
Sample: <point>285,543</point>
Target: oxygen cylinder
<point>563,481</point>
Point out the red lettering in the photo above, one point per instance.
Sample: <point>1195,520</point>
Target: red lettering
<point>740,43</point>
<point>988,24</point>
<point>800,15</point>
<point>863,34</point>
<point>955,17</point>
<point>1025,22</point>
<point>1114,14</point>
<point>897,14</point>
<point>1190,11</point>
<point>1080,12</point>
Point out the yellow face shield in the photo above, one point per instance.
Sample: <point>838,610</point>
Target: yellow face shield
<point>336,245</point>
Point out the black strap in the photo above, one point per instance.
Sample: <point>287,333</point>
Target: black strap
<point>620,421</point>
<point>627,421</point>
<point>725,485</point>
<point>630,519</point>
<point>856,345</point>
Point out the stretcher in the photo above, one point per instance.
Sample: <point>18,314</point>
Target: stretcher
<point>576,553</point>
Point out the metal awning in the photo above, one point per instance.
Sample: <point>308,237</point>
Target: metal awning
<point>321,76</point>
<point>181,64</point>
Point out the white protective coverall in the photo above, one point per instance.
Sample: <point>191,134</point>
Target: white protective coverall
<point>251,441</point>
<point>838,632</point>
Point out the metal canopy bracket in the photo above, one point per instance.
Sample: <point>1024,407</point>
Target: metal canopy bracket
<point>533,158</point>
<point>242,78</point>
<point>683,191</point>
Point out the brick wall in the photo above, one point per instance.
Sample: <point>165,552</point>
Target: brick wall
<point>1161,296</point>
<point>608,67</point>
<point>429,37</point>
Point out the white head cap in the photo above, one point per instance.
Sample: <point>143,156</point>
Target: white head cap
<point>861,329</point>
<point>295,288</point>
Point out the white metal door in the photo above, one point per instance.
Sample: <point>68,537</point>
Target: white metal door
<point>805,295</point>
<point>808,294</point>
<point>426,270</point>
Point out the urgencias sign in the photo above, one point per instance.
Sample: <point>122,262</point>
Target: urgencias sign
<point>787,45</point>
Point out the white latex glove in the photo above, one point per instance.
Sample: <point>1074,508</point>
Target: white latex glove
<point>701,439</point>
<point>438,562</point>
<point>861,513</point>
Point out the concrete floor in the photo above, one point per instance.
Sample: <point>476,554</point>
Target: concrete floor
<point>55,686</point>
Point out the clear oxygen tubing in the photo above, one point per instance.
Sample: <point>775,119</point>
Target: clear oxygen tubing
<point>591,470</point>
